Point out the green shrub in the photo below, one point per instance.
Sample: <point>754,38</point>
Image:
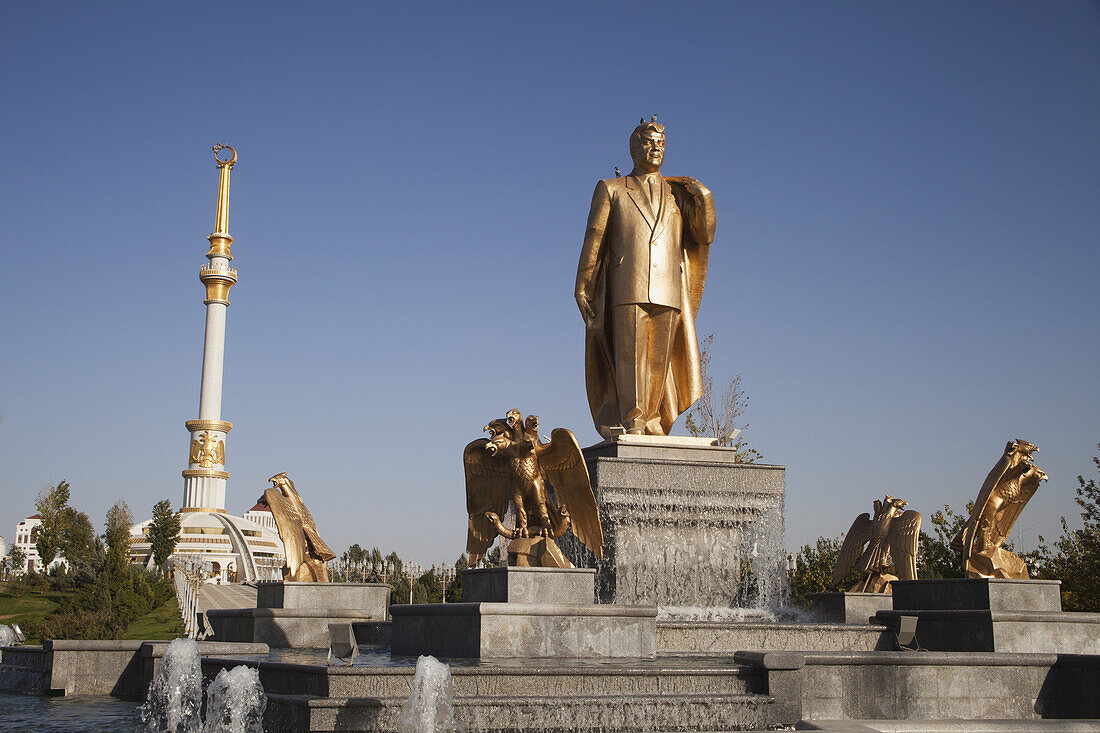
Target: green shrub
<point>77,624</point>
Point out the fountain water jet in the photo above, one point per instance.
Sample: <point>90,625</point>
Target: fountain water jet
<point>430,708</point>
<point>175,695</point>
<point>7,635</point>
<point>235,702</point>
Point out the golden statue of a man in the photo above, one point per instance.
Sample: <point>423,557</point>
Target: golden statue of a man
<point>639,282</point>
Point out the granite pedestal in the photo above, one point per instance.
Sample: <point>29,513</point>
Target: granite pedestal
<point>849,608</point>
<point>529,585</point>
<point>682,522</point>
<point>297,615</point>
<point>993,615</point>
<point>528,613</point>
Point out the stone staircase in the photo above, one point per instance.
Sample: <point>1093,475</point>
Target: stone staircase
<point>234,595</point>
<point>529,695</point>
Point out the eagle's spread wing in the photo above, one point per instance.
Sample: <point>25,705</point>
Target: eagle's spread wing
<point>964,541</point>
<point>196,451</point>
<point>309,528</point>
<point>852,548</point>
<point>902,537</point>
<point>1029,484</point>
<point>488,486</point>
<point>563,465</point>
<point>219,452</point>
<point>288,521</point>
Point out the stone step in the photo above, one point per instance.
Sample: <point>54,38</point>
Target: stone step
<point>516,714</point>
<point>557,681</point>
<point>952,726</point>
<point>24,679</point>
<point>727,637</point>
<point>26,656</point>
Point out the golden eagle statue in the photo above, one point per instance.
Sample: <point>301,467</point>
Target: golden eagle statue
<point>306,552</point>
<point>514,464</point>
<point>883,548</point>
<point>1007,489</point>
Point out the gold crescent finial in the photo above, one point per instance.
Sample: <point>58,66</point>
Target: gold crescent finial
<point>218,148</point>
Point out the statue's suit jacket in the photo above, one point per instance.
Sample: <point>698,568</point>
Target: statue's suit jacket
<point>633,254</point>
<point>645,251</point>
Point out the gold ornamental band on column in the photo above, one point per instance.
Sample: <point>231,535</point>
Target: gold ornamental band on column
<point>223,426</point>
<point>220,244</point>
<point>218,283</point>
<point>204,473</point>
<point>210,509</point>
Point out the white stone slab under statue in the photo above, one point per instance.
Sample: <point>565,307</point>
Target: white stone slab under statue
<point>681,521</point>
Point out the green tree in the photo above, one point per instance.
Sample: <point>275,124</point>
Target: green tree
<point>356,557</point>
<point>422,589</point>
<point>51,505</point>
<point>935,557</point>
<point>164,532</point>
<point>814,570</point>
<point>117,536</point>
<point>17,559</point>
<point>1077,562</point>
<point>454,589</point>
<point>376,561</point>
<point>710,420</point>
<point>396,566</point>
<point>79,544</point>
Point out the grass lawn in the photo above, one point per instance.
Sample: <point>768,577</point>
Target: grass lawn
<point>163,622</point>
<point>31,606</point>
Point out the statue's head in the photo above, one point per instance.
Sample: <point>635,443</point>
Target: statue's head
<point>281,481</point>
<point>898,504</point>
<point>504,432</point>
<point>647,146</point>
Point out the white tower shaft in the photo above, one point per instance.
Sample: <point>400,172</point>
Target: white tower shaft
<point>206,475</point>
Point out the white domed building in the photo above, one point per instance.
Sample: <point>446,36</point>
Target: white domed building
<point>236,549</point>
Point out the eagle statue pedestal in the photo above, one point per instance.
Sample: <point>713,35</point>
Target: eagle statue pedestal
<point>992,615</point>
<point>525,613</point>
<point>296,615</point>
<point>847,607</point>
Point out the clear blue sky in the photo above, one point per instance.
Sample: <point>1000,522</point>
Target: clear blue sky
<point>905,271</point>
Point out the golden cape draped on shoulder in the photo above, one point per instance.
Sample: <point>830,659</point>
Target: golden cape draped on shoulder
<point>685,380</point>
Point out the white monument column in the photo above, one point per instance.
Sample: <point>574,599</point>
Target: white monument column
<point>205,477</point>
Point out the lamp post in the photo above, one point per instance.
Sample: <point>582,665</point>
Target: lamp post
<point>446,576</point>
<point>412,573</point>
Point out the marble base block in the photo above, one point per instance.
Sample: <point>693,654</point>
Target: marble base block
<point>681,522</point>
<point>573,586</point>
<point>848,608</point>
<point>296,615</point>
<point>281,628</point>
<point>372,598</point>
<point>992,615</point>
<point>522,630</point>
<point>977,594</point>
